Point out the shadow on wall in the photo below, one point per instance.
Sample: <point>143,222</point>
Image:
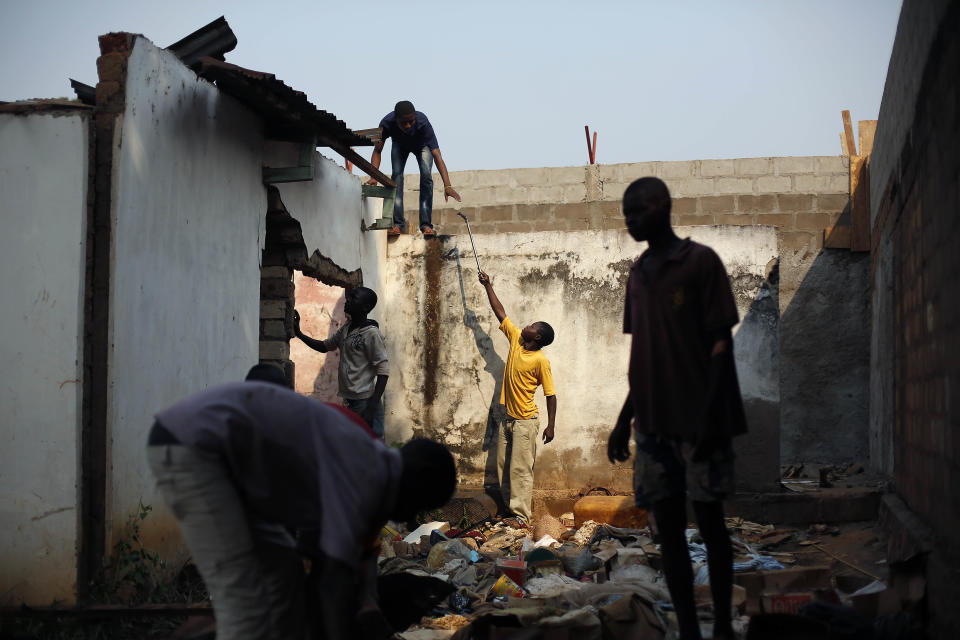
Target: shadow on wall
<point>825,362</point>
<point>756,350</point>
<point>493,365</point>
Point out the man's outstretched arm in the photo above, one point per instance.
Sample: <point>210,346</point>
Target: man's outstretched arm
<point>492,297</point>
<point>316,345</point>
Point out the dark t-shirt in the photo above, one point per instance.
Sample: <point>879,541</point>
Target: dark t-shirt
<point>295,461</point>
<point>420,136</point>
<point>674,320</point>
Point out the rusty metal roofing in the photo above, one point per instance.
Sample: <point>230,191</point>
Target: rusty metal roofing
<point>287,113</point>
<point>212,40</point>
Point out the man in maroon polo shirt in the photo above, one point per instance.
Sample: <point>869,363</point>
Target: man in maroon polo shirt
<point>684,399</point>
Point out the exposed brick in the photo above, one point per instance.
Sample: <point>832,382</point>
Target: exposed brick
<point>495,213</point>
<point>753,166</point>
<point>795,202</point>
<point>112,66</point>
<point>773,184</point>
<point>716,168</point>
<point>735,185</point>
<point>832,201</point>
<point>274,350</point>
<point>691,220</point>
<point>275,288</point>
<point>813,221</point>
<point>717,204</point>
<point>107,90</point>
<point>682,206</point>
<point>514,227</point>
<point>737,219</point>
<point>756,204</point>
<point>274,329</point>
<point>273,309</point>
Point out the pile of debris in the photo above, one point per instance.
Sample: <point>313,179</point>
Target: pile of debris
<point>572,578</point>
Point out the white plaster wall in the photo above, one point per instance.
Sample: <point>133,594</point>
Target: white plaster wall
<point>188,230</point>
<point>573,280</point>
<point>43,179</point>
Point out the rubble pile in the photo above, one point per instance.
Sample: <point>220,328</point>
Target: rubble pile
<point>592,579</point>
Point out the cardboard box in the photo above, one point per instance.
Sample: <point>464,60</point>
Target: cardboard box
<point>796,580</point>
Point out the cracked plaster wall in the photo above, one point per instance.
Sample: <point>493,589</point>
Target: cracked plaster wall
<point>448,353</point>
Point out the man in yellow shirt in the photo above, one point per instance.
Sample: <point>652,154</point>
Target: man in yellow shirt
<point>526,369</point>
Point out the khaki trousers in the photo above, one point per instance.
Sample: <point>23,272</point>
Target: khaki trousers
<point>256,586</point>
<point>516,452</point>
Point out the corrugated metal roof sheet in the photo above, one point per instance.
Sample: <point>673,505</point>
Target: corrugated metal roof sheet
<point>212,40</point>
<point>287,113</point>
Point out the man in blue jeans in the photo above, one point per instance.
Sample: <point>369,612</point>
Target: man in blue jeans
<point>412,132</point>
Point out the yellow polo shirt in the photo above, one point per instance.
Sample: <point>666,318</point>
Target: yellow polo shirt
<point>524,372</point>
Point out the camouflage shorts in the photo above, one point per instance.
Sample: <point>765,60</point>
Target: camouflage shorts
<point>663,467</point>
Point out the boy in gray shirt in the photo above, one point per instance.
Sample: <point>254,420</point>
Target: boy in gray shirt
<point>363,357</point>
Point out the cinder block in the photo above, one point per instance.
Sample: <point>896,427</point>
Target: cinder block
<point>578,224</point>
<point>544,193</point>
<point>508,195</point>
<point>484,227</point>
<point>633,170</point>
<point>612,223</point>
<point>773,184</point>
<point>496,213</point>
<point>718,204</point>
<point>680,187</point>
<point>492,178</point>
<point>735,185</point>
<point>276,272</point>
<point>692,220</point>
<point>514,227</point>
<point>531,177</point>
<point>736,219</point>
<point>611,209</point>
<point>274,329</point>
<point>710,168</point>
<point>276,288</point>
<point>815,221</point>
<point>832,201</point>
<point>684,169</point>
<point>756,204</point>
<point>572,211</point>
<point>614,190</point>
<point>274,350</point>
<point>787,166</point>
<point>533,212</point>
<point>794,241</point>
<point>112,66</point>
<point>780,220</point>
<point>833,164</point>
<point>795,202</point>
<point>574,193</point>
<point>611,172</point>
<point>684,206</point>
<point>567,175</point>
<point>273,309</point>
<point>462,179</point>
<point>839,183</point>
<point>753,166</point>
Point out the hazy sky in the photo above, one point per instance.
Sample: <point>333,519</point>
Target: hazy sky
<point>511,84</point>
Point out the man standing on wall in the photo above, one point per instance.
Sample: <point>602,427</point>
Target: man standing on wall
<point>412,132</point>
<point>526,369</point>
<point>684,399</point>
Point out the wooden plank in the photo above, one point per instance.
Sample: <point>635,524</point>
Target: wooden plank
<point>859,204</point>
<point>867,130</point>
<point>836,237</point>
<point>848,133</point>
<point>362,163</point>
<point>843,145</point>
<point>375,134</point>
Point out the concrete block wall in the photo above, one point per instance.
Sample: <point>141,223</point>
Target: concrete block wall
<point>915,388</point>
<point>824,418</point>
